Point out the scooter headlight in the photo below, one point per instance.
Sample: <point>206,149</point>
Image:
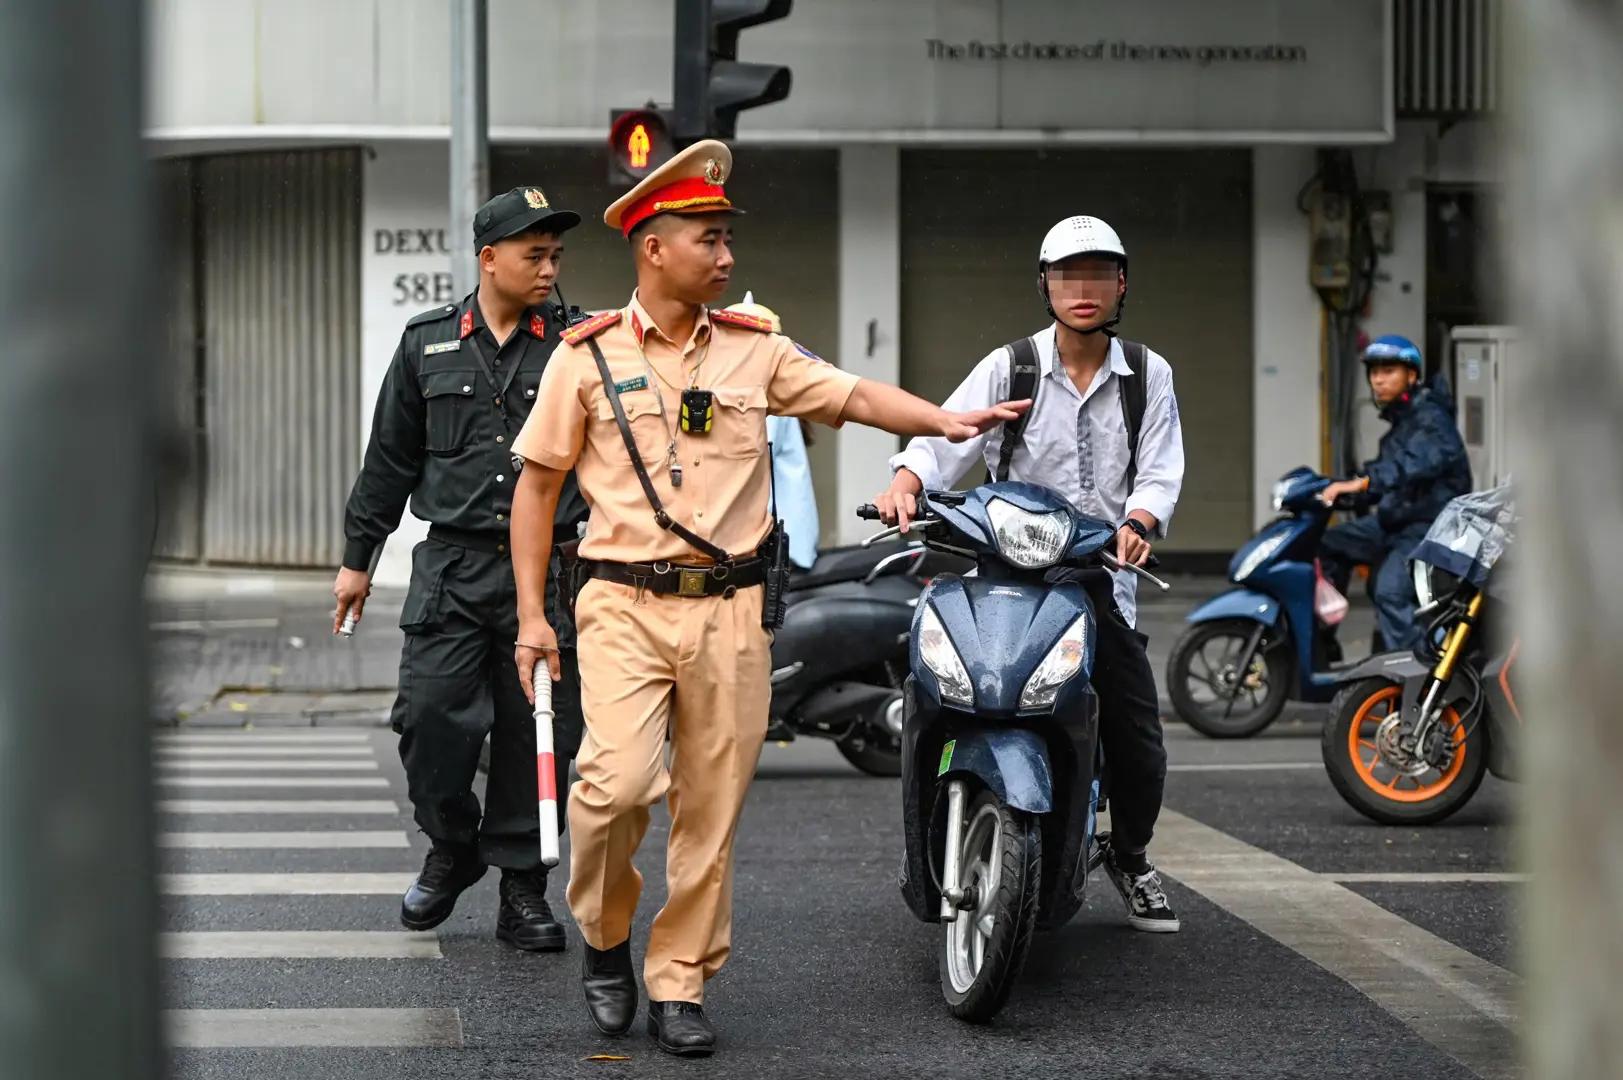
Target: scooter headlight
<point>1259,555</point>
<point>1422,583</point>
<point>938,654</point>
<point>1029,541</point>
<point>1063,661</point>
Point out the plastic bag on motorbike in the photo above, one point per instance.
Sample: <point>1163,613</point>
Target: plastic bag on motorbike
<point>1328,602</point>
<point>1471,534</point>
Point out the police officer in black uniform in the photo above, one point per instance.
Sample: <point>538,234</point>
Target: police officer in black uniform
<point>456,394</point>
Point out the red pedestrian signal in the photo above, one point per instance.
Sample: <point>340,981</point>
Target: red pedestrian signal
<point>639,142</point>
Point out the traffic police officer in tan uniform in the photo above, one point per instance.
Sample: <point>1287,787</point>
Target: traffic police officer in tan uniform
<point>669,620</point>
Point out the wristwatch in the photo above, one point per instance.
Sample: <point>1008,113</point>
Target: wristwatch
<point>1138,527</point>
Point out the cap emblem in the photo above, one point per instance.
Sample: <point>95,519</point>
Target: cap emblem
<point>712,171</point>
<point>536,200</point>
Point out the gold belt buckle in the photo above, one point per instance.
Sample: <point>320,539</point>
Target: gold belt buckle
<point>690,582</point>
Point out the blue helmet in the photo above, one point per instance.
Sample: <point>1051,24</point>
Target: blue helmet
<point>1392,349</point>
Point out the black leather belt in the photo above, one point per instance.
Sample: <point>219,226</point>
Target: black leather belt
<point>672,579</point>
<point>496,543</point>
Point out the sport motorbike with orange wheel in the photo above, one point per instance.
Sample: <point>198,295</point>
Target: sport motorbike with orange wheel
<point>1411,735</point>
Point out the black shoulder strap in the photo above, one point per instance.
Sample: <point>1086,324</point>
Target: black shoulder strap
<point>665,520</point>
<point>1022,385</point>
<point>1133,398</point>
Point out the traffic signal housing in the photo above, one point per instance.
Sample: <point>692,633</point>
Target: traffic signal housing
<point>639,142</point>
<point>712,86</point>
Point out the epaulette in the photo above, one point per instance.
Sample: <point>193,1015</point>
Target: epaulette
<point>590,328</point>
<point>432,315</point>
<point>739,318</point>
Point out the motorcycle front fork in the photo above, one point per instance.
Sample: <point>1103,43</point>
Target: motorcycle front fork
<point>952,889</point>
<point>1443,673</point>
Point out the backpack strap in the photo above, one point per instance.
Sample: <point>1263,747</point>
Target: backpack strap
<point>1133,394</point>
<point>1022,385</point>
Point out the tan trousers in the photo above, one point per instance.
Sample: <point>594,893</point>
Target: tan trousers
<point>700,667</point>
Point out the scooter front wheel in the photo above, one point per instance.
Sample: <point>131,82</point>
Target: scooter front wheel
<point>1212,694</point>
<point>984,949</point>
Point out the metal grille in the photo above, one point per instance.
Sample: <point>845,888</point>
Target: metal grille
<point>179,533</point>
<point>282,330</point>
<point>1446,57</point>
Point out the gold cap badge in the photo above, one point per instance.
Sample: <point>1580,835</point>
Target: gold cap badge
<point>534,197</point>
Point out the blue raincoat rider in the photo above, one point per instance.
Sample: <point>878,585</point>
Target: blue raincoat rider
<point>1420,465</point>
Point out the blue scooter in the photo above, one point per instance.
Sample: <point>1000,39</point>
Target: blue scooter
<point>1001,767</point>
<point>1263,642</point>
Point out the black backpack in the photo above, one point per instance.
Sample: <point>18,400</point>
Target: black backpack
<point>1023,384</point>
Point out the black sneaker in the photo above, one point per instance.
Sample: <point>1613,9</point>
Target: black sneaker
<point>525,920</point>
<point>448,872</point>
<point>1147,907</point>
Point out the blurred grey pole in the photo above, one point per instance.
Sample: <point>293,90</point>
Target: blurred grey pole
<point>77,910</point>
<point>470,136</point>
<point>1563,162</point>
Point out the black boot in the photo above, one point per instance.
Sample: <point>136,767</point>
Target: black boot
<point>525,920</point>
<point>679,1027</point>
<point>611,988</point>
<point>447,873</point>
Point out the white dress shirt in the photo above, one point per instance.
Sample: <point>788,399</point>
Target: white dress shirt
<point>1074,443</point>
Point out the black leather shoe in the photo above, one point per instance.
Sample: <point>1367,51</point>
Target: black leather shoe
<point>447,873</point>
<point>525,920</point>
<point>679,1027</point>
<point>611,988</point>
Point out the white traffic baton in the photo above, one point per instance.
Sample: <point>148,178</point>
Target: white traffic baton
<point>546,772</point>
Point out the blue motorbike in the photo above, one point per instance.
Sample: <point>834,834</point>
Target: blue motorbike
<point>1002,775</point>
<point>1265,641</point>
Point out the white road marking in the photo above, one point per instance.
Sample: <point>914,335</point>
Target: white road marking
<point>278,806</point>
<point>312,1027</point>
<point>1245,766</point>
<point>272,781</point>
<point>269,765</point>
<point>336,752</point>
<point>293,737</point>
<point>198,625</point>
<point>1458,1002</point>
<point>336,884</point>
<point>299,945</point>
<point>289,840</point>
<point>1421,878</point>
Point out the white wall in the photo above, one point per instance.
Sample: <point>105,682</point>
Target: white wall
<point>870,291</point>
<point>1286,428</point>
<point>407,188</point>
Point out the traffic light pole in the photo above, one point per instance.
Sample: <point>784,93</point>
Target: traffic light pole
<point>690,72</point>
<point>470,136</point>
<point>78,911</point>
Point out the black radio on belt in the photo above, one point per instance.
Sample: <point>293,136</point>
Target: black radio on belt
<point>698,411</point>
<point>775,552</point>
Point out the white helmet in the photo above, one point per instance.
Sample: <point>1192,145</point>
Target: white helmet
<point>1080,235</point>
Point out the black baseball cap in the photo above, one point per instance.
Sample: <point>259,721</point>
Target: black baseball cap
<point>516,211</point>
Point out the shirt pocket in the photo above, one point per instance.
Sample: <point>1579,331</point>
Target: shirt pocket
<point>448,399</point>
<point>740,422</point>
<point>647,428</point>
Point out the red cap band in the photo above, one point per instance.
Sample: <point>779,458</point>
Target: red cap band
<point>694,194</point>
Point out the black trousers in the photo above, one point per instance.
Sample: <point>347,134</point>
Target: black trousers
<point>458,684</point>
<point>1129,716</point>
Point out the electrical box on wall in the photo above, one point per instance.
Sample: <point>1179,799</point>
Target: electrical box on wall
<point>1483,356</point>
<point>1330,258</point>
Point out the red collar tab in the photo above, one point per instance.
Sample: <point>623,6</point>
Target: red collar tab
<point>694,194</point>
<point>739,318</point>
<point>581,331</point>
<point>466,326</point>
<point>636,327</point>
<point>538,326</point>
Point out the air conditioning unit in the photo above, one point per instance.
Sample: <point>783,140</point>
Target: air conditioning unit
<point>1483,358</point>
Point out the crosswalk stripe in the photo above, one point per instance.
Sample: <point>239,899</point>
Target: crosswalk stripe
<point>303,737</point>
<point>299,945</point>
<point>1245,766</point>
<point>290,840</point>
<point>269,765</point>
<point>219,1028</point>
<point>1448,878</point>
<point>336,884</point>
<point>273,781</point>
<point>192,753</point>
<point>278,806</point>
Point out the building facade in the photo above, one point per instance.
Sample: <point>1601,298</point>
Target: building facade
<point>897,199</point>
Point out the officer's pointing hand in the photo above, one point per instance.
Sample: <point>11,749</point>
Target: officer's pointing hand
<point>957,427</point>
<point>536,642</point>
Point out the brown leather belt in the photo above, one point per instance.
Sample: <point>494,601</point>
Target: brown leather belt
<point>676,580</point>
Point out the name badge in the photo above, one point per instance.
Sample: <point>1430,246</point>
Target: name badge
<point>639,383</point>
<point>443,346</point>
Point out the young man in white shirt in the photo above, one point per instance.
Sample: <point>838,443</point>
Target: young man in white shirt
<point>1095,397</point>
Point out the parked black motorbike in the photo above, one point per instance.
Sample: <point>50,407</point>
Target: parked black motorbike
<point>1411,735</point>
<point>1001,768</point>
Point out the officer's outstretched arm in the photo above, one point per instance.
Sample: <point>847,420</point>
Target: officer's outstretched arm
<point>892,409</point>
<point>535,501</point>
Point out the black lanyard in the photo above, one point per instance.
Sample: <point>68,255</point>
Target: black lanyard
<point>500,397</point>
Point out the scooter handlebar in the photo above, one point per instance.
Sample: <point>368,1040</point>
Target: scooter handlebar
<point>868,512</point>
